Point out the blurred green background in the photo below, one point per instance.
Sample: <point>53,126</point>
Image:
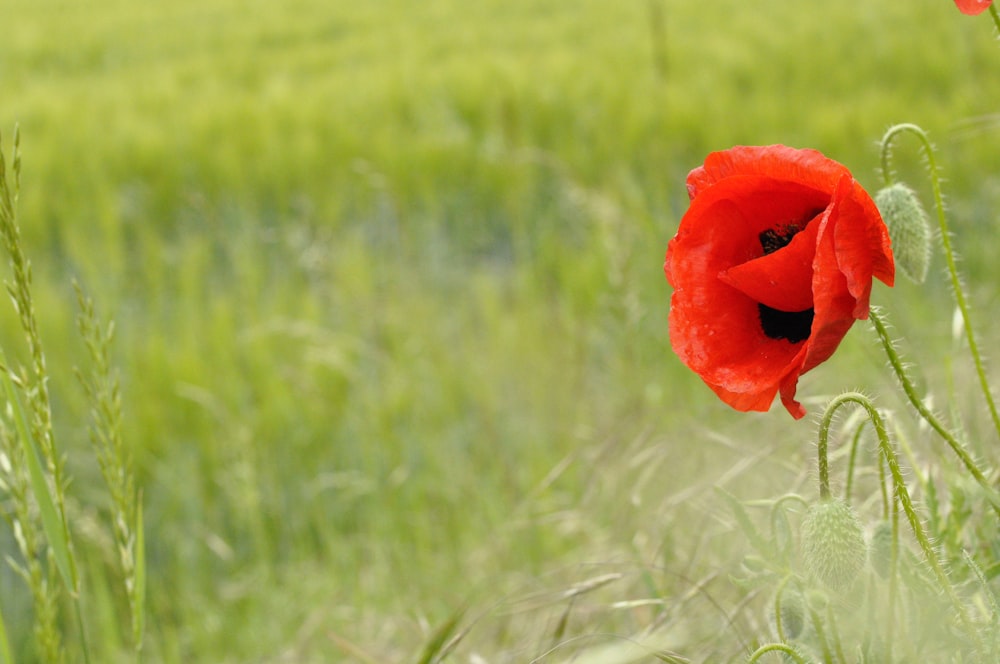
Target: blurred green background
<point>388,286</point>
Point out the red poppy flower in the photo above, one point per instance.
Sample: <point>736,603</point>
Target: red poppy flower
<point>772,264</point>
<point>973,7</point>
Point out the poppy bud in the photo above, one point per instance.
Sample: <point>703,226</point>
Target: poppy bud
<point>880,549</point>
<point>908,228</point>
<point>792,614</point>
<point>833,544</point>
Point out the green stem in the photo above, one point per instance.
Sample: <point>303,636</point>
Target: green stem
<point>821,635</point>
<point>855,441</point>
<point>900,491</point>
<point>949,254</point>
<point>893,581</point>
<point>83,631</point>
<point>835,635</point>
<point>897,365</point>
<point>881,486</point>
<point>821,457</point>
<point>779,597</point>
<point>775,647</point>
<point>996,17</point>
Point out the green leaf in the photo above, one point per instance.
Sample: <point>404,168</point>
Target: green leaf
<point>435,648</point>
<point>52,523</point>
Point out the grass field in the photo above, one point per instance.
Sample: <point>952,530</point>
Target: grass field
<point>390,312</point>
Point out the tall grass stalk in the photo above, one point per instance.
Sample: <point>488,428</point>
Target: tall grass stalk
<point>33,472</point>
<point>28,483</point>
<point>103,390</point>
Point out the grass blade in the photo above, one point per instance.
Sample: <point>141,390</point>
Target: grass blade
<point>51,521</point>
<point>140,579</point>
<point>5,657</point>
<point>435,647</point>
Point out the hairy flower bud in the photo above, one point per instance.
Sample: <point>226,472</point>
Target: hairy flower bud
<point>880,548</point>
<point>908,228</point>
<point>792,614</point>
<point>833,544</point>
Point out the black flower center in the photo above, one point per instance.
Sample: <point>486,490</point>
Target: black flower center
<point>776,238</point>
<point>791,325</point>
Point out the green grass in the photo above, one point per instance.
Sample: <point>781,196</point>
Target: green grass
<point>390,309</point>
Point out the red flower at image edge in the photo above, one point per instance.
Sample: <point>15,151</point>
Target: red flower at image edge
<point>973,7</point>
<point>772,264</point>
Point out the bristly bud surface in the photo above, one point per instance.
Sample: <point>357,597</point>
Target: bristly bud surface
<point>909,229</point>
<point>833,544</point>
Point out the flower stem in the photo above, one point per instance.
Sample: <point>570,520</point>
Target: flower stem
<point>779,597</point>
<point>821,457</point>
<point>893,581</point>
<point>996,17</point>
<point>775,647</point>
<point>821,635</point>
<point>897,366</point>
<point>855,441</point>
<point>900,492</point>
<point>949,254</point>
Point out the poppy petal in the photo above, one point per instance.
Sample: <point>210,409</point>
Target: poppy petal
<point>781,280</point>
<point>862,244</point>
<point>973,7</point>
<point>807,167</point>
<point>835,307</point>
<point>770,231</point>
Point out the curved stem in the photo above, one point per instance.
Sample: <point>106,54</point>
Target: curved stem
<point>775,647</point>
<point>949,254</point>
<point>897,366</point>
<point>900,492</point>
<point>775,511</point>
<point>996,17</point>
<point>779,595</point>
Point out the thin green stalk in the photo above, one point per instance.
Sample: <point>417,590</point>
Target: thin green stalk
<point>855,441</point>
<point>835,635</point>
<point>824,464</point>
<point>114,458</point>
<point>821,635</point>
<point>775,647</point>
<point>881,486</point>
<point>82,626</point>
<point>5,657</point>
<point>996,17</point>
<point>779,623</point>
<point>900,492</point>
<point>37,434</point>
<point>904,380</point>
<point>893,580</point>
<point>949,254</point>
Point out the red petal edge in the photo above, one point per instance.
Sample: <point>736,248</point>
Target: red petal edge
<point>973,7</point>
